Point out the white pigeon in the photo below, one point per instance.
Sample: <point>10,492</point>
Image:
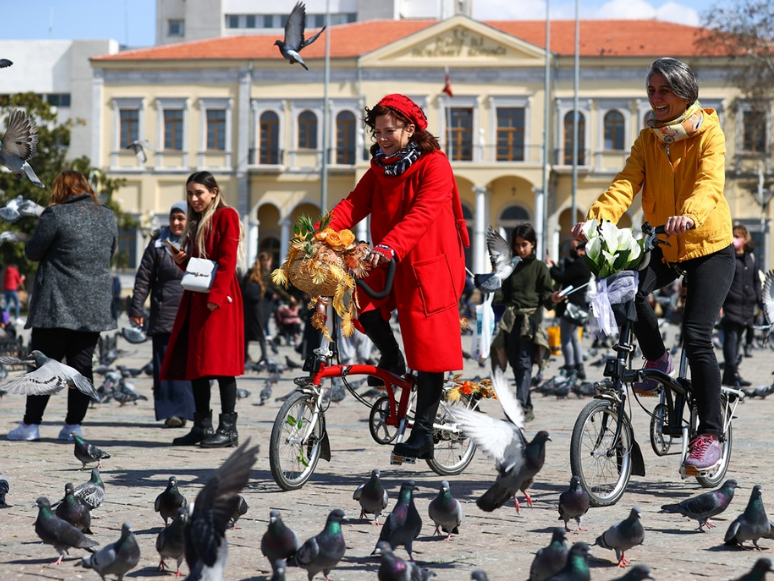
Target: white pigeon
<point>19,145</point>
<point>50,377</point>
<point>10,213</point>
<point>12,236</point>
<point>138,146</point>
<point>502,259</point>
<point>30,208</point>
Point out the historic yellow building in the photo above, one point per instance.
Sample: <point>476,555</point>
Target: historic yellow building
<point>234,107</point>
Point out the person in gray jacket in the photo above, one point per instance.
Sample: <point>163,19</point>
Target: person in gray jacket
<point>159,276</point>
<point>71,297</point>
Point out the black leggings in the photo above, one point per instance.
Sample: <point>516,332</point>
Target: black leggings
<point>228,393</point>
<point>709,278</point>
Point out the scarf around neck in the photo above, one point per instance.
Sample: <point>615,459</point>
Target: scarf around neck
<point>685,126</point>
<point>396,164</point>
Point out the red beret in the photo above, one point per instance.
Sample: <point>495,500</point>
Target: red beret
<point>407,108</point>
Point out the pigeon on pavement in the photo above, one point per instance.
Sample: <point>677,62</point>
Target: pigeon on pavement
<point>758,572</point>
<point>577,566</point>
<point>752,524</point>
<point>169,501</point>
<point>138,146</point>
<point>279,543</point>
<point>206,549</point>
<point>551,559</point>
<point>323,552</point>
<point>92,493</point>
<point>4,488</point>
<point>74,511</point>
<point>393,568</point>
<point>239,512</point>
<point>170,544</point>
<point>573,504</point>
<point>116,558</point>
<point>372,497</point>
<point>445,511</point>
<point>50,376</point>
<point>623,536</point>
<point>502,259</point>
<point>403,524</point>
<point>63,536</point>
<point>19,145</point>
<point>265,394</point>
<point>705,506</point>
<point>292,364</point>
<point>87,453</point>
<point>479,575</point>
<point>13,236</point>
<point>636,573</point>
<point>294,41</point>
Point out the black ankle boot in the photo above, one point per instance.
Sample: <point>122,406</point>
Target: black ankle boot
<point>380,333</point>
<point>580,371</point>
<point>226,435</point>
<point>202,428</point>
<point>420,443</point>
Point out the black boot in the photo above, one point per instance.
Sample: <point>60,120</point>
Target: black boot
<point>420,443</point>
<point>202,428</point>
<point>226,435</point>
<point>729,375</point>
<point>380,333</point>
<point>580,372</point>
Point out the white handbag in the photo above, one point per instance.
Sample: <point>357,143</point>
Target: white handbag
<point>199,275</point>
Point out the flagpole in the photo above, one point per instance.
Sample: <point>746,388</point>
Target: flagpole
<point>576,114</point>
<point>541,203</point>
<point>325,149</point>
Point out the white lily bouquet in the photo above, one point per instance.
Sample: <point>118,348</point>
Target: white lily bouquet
<point>610,249</point>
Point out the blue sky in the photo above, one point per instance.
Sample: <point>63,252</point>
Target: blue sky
<point>132,22</point>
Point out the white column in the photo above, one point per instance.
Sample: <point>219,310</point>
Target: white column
<point>252,241</point>
<point>479,231</point>
<point>284,238</point>
<point>361,229</point>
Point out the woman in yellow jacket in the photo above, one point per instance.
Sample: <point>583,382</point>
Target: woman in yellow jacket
<point>677,163</point>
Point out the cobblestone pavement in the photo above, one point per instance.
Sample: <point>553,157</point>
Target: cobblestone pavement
<point>501,543</point>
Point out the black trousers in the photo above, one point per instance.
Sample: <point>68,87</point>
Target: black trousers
<point>521,355</point>
<point>76,348</point>
<point>709,278</point>
<point>732,340</point>
<point>171,397</point>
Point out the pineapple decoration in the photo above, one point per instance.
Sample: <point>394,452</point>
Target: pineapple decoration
<point>325,263</point>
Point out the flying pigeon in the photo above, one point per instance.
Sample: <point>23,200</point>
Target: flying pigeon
<point>134,334</point>
<point>4,488</point>
<point>19,145</point>
<point>29,208</point>
<point>279,543</point>
<point>13,236</point>
<point>551,559</point>
<point>636,573</point>
<point>372,497</point>
<point>623,536</point>
<point>294,36</point>
<point>116,558</point>
<point>517,462</point>
<point>169,501</point>
<point>767,296</point>
<point>323,552</point>
<point>503,262</point>
<point>50,376</point>
<point>573,504</point>
<point>705,506</point>
<point>393,568</point>
<point>758,572</point>
<point>5,63</point>
<point>403,524</point>
<point>752,524</point>
<point>577,566</point>
<point>63,536</point>
<point>206,550</point>
<point>73,511</point>
<point>239,511</point>
<point>92,493</point>
<point>445,511</point>
<point>138,146</point>
<point>170,544</point>
<point>87,453</point>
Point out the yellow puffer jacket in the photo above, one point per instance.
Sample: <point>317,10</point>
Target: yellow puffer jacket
<point>688,182</point>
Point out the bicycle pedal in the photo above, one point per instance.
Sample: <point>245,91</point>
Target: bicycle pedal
<point>691,471</point>
<point>398,460</point>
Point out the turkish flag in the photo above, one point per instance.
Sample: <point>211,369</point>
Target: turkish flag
<point>447,86</point>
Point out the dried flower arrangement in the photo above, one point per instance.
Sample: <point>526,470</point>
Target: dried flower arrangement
<point>484,388</point>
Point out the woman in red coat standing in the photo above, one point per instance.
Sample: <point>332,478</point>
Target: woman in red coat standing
<point>207,340</point>
<point>416,218</point>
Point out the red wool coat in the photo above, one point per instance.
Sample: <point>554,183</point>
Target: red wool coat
<point>207,343</point>
<point>414,215</point>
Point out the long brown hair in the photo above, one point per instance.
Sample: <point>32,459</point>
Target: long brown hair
<point>256,275</point>
<point>425,140</point>
<point>70,183</point>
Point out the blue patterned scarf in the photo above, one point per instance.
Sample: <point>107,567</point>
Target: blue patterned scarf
<point>400,162</point>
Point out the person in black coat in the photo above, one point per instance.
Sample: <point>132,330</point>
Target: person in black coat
<point>159,276</point>
<point>739,307</point>
<point>254,301</point>
<point>573,272</point>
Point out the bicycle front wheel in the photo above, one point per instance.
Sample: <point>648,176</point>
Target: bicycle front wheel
<point>454,450</point>
<point>294,449</point>
<point>603,465</point>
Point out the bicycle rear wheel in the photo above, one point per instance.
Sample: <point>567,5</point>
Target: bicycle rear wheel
<point>453,450</point>
<point>603,466</point>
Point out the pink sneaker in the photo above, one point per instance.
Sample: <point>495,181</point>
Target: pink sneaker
<point>705,453</point>
<point>650,387</point>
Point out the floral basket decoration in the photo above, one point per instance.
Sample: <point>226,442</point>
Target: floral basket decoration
<point>325,263</point>
<point>470,388</point>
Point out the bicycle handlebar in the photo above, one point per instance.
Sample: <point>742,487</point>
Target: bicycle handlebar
<point>387,283</point>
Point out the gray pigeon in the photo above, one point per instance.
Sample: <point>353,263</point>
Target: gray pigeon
<point>577,566</point>
<point>551,559</point>
<point>169,501</point>
<point>372,497</point>
<point>393,568</point>
<point>52,530</point>
<point>30,208</point>
<point>19,145</point>
<point>573,504</point>
<point>701,508</point>
<point>636,573</point>
<point>623,536</point>
<point>758,572</point>
<point>445,511</point>
<point>279,543</point>
<point>13,236</point>
<point>279,572</point>
<point>265,394</point>
<point>74,511</point>
<point>170,543</point>
<point>206,549</point>
<point>4,488</point>
<point>752,524</point>
<point>323,552</point>
<point>294,36</point>
<point>10,212</point>
<point>403,524</point>
<point>91,493</point>
<point>503,262</point>
<point>87,453</point>
<point>479,575</point>
<point>138,146</point>
<point>116,558</point>
<point>50,376</point>
<point>5,63</point>
<point>239,512</point>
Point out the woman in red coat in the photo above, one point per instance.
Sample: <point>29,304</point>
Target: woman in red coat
<point>416,218</point>
<point>207,340</point>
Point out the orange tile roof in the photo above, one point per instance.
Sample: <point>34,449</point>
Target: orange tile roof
<point>598,38</point>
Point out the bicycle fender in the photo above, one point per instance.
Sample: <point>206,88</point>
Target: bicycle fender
<point>638,463</point>
<point>325,447</point>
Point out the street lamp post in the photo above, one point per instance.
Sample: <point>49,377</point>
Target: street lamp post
<point>326,121</point>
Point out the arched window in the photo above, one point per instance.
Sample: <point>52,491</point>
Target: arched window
<point>511,217</point>
<point>614,130</point>
<point>345,138</point>
<point>568,123</point>
<point>307,130</point>
<point>269,140</point>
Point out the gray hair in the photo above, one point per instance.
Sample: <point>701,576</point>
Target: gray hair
<point>678,75</point>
